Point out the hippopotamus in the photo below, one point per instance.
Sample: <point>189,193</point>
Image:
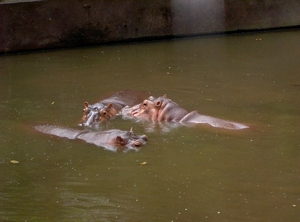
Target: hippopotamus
<point>110,106</point>
<point>163,109</point>
<point>111,139</point>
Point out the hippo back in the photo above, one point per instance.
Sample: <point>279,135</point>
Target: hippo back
<point>196,118</point>
<point>111,139</point>
<point>124,98</point>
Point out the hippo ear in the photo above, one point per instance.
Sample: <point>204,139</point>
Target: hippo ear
<point>120,141</point>
<point>109,106</point>
<point>165,95</point>
<point>86,104</point>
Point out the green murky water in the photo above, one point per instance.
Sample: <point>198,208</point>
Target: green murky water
<point>192,174</point>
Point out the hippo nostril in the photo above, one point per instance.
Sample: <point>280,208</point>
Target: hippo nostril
<point>137,143</point>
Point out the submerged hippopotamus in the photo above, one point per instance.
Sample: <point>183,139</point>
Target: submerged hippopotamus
<point>163,109</point>
<point>110,106</point>
<point>111,139</point>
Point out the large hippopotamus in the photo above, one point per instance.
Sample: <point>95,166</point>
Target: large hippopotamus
<point>111,139</point>
<point>110,106</point>
<point>163,109</point>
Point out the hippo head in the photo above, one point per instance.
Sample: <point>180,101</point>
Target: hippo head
<point>107,112</point>
<point>91,113</point>
<point>159,109</point>
<point>149,109</point>
<point>146,110</point>
<point>129,139</point>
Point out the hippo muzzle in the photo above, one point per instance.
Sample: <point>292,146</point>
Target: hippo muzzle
<point>128,111</point>
<point>91,118</point>
<point>135,140</point>
<point>146,110</point>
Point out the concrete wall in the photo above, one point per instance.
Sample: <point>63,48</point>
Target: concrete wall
<point>38,25</point>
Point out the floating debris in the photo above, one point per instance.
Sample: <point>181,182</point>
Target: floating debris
<point>143,163</point>
<point>14,161</point>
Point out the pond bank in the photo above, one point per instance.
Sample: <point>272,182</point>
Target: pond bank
<point>38,25</point>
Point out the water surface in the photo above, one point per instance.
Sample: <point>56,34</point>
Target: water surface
<point>192,174</point>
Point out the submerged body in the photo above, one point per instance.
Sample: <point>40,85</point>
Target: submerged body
<point>110,106</point>
<point>110,139</point>
<point>164,109</point>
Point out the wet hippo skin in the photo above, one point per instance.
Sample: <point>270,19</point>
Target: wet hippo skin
<point>110,106</point>
<point>163,109</point>
<point>111,139</point>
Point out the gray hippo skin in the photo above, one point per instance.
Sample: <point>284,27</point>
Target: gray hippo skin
<point>163,109</point>
<point>110,106</point>
<point>111,139</point>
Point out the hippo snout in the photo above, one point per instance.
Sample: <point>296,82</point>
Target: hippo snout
<point>134,112</point>
<point>137,143</point>
<point>91,118</point>
<point>126,111</point>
